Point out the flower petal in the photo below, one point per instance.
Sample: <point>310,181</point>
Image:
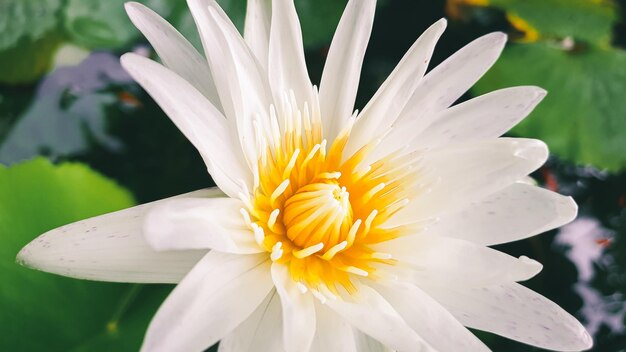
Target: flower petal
<point>373,315</point>
<point>174,50</point>
<point>366,343</point>
<point>240,80</point>
<point>111,247</point>
<point>452,177</point>
<point>257,28</point>
<point>440,88</point>
<point>514,311</point>
<point>194,115</point>
<point>199,223</point>
<point>383,109</point>
<point>332,333</point>
<point>262,331</point>
<point>211,301</point>
<point>298,311</point>
<point>342,71</point>
<point>514,213</point>
<point>287,66</point>
<point>443,261</point>
<point>487,116</point>
<point>429,319</point>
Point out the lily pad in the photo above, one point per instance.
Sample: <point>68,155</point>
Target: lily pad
<point>44,312</point>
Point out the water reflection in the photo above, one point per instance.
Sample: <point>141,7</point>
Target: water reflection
<point>587,243</point>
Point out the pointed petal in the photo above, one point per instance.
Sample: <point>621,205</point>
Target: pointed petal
<point>342,71</point>
<point>211,301</point>
<point>194,115</point>
<point>383,109</point>
<point>298,311</point>
<point>487,116</point>
<point>262,331</point>
<point>214,223</point>
<point>332,333</point>
<point>451,178</point>
<point>443,261</point>
<point>241,82</point>
<point>174,50</point>
<point>516,312</point>
<point>519,211</point>
<point>257,28</point>
<point>452,78</point>
<point>366,343</point>
<point>373,315</point>
<point>287,67</point>
<point>429,319</point>
<point>111,247</point>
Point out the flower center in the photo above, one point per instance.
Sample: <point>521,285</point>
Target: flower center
<point>318,212</point>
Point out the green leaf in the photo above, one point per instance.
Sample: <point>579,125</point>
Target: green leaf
<point>583,118</point>
<point>44,312</point>
<point>29,38</point>
<point>588,20</point>
<point>26,20</point>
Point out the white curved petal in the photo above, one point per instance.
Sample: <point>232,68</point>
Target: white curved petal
<point>451,178</point>
<point>286,67</point>
<point>342,71</point>
<point>373,315</point>
<point>519,211</point>
<point>196,117</point>
<point>440,88</point>
<point>174,50</point>
<point>437,260</point>
<point>452,78</point>
<point>516,312</point>
<point>366,343</point>
<point>298,311</point>
<point>383,109</point>
<point>429,319</point>
<point>215,223</point>
<point>332,333</point>
<point>487,116</point>
<point>111,247</point>
<point>240,80</point>
<point>262,331</point>
<point>211,301</point>
<point>257,28</point>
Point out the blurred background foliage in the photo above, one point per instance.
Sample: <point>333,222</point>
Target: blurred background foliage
<point>78,138</point>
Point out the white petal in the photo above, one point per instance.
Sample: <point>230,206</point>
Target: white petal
<point>487,116</point>
<point>514,213</point>
<point>262,331</point>
<point>373,315</point>
<point>516,312</point>
<point>383,109</point>
<point>429,319</point>
<point>214,223</point>
<point>210,302</point>
<point>286,66</point>
<point>452,78</point>
<point>174,50</point>
<point>333,333</point>
<point>453,177</point>
<point>241,82</point>
<point>366,343</point>
<point>342,71</point>
<point>257,28</point>
<point>298,311</point>
<point>111,247</point>
<point>443,261</point>
<point>196,117</point>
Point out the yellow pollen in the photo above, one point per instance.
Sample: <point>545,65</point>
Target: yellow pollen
<point>317,211</point>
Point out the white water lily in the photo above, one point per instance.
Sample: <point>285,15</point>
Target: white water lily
<point>330,230</point>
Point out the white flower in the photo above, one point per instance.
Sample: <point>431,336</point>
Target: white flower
<point>335,231</point>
